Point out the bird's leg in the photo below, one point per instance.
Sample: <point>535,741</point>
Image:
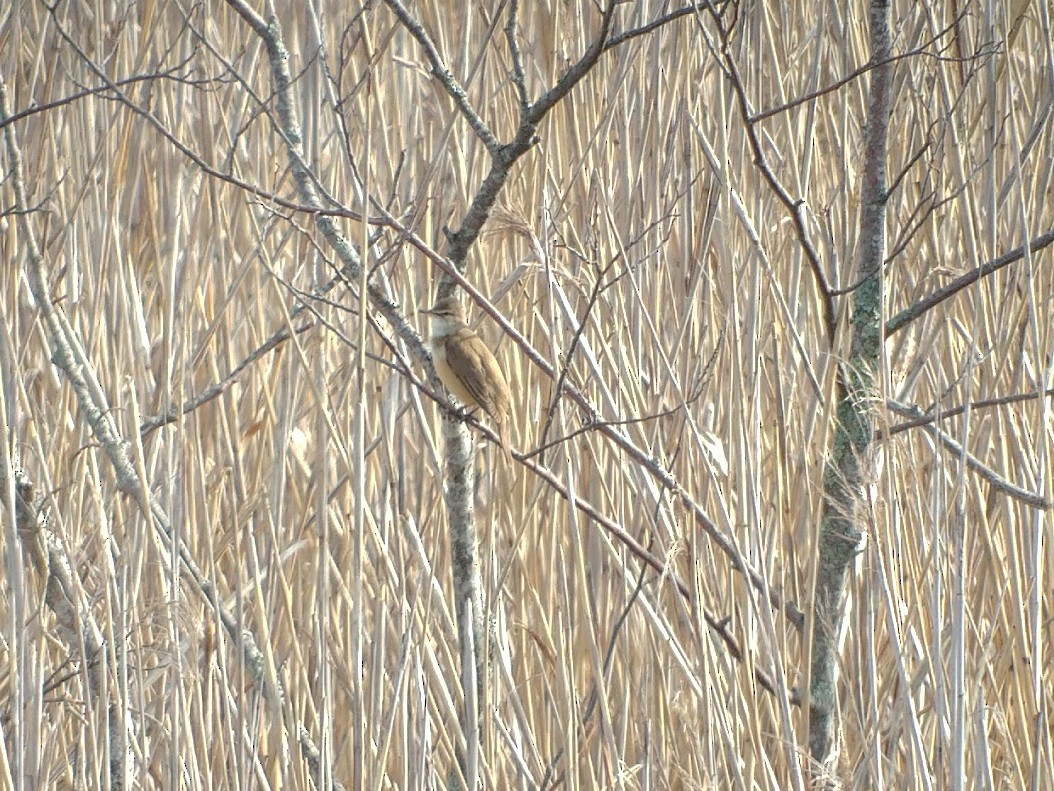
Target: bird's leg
<point>467,414</point>
<point>460,412</point>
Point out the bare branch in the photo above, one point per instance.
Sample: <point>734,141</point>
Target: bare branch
<point>718,625</point>
<point>463,238</point>
<point>117,95</point>
<point>655,24</point>
<point>448,81</point>
<point>29,112</point>
<point>219,388</point>
<point>75,624</point>
<point>919,51</point>
<point>573,75</point>
<point>794,206</point>
<point>997,481</point>
<point>923,306</point>
<point>924,418</point>
<point>519,77</point>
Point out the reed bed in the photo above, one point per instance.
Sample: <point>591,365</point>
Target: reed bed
<point>639,248</point>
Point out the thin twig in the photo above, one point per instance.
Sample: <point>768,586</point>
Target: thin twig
<point>923,306</point>
<point>795,207</point>
<point>998,482</point>
<point>923,418</point>
<point>446,79</point>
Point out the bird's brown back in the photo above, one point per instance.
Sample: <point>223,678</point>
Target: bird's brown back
<point>465,351</point>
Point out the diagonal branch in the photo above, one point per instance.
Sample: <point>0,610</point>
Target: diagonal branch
<point>795,207</point>
<point>519,75</point>
<point>997,481</point>
<point>627,35</point>
<point>75,623</point>
<point>923,418</point>
<point>859,71</point>
<point>442,73</point>
<point>573,75</point>
<point>923,306</point>
<point>168,74</point>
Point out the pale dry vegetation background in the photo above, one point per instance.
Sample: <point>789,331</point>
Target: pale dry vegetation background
<point>310,492</point>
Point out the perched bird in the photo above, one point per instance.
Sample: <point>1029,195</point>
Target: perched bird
<point>467,367</point>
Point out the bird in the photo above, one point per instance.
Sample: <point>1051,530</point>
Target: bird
<point>467,368</point>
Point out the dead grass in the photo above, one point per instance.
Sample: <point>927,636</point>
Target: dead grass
<point>312,495</point>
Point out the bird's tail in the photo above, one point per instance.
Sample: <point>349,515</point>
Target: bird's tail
<point>503,438</point>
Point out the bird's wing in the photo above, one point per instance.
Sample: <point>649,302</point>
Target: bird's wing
<point>469,353</point>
